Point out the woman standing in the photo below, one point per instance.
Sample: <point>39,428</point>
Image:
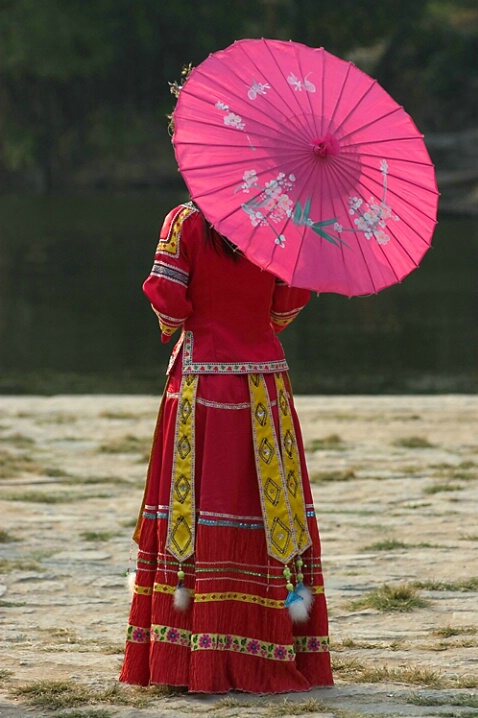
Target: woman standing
<point>228,590</point>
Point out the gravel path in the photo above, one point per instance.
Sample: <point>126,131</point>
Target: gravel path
<point>395,483</point>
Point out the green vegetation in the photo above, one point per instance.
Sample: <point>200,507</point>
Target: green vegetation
<point>388,598</point>
<point>386,545</point>
<point>355,672</point>
<point>332,442</point>
<point>97,535</point>
<point>6,566</point>
<point>413,442</point>
<point>6,537</point>
<point>128,444</point>
<point>463,585</point>
<point>55,695</point>
<point>320,477</point>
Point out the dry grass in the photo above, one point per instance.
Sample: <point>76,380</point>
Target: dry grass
<point>438,488</point>
<point>332,442</point>
<point>291,708</point>
<point>98,535</point>
<point>320,477</point>
<point>352,671</point>
<point>451,631</point>
<point>388,599</point>
<point>386,545</point>
<point>413,442</point>
<point>18,441</point>
<point>465,699</point>
<point>56,695</point>
<point>7,566</point>
<point>40,497</point>
<point>13,465</point>
<point>128,444</point>
<point>6,537</point>
<point>463,585</point>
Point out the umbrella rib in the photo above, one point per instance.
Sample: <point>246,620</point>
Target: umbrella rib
<point>309,102</point>
<point>358,242</point>
<point>409,203</point>
<point>332,178</point>
<point>375,121</point>
<point>339,98</point>
<point>292,92</point>
<point>397,159</point>
<point>354,108</point>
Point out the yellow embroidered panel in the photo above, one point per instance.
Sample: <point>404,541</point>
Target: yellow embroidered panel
<point>276,510</point>
<point>170,244</point>
<point>181,522</point>
<point>292,470</point>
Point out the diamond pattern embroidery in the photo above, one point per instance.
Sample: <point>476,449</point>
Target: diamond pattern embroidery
<point>272,491</point>
<point>182,488</point>
<point>261,414</point>
<point>292,483</point>
<point>266,451</point>
<point>288,442</point>
<point>184,447</point>
<point>283,403</point>
<point>186,410</point>
<point>280,535</point>
<point>181,536</point>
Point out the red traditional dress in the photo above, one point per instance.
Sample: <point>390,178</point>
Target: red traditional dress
<point>227,517</point>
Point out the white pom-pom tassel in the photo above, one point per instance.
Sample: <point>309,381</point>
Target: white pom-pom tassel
<point>298,611</point>
<point>307,595</point>
<point>182,598</point>
<point>182,595</point>
<point>130,581</point>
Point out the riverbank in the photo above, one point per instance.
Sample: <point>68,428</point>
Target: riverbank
<point>395,482</point>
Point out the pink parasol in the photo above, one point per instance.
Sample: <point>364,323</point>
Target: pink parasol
<point>307,165</point>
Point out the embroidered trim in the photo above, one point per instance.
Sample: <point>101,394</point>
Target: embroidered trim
<point>167,589</point>
<point>191,367</point>
<point>174,274</point>
<point>227,642</point>
<point>282,541</point>
<point>170,245</point>
<point>137,634</point>
<point>230,524</point>
<point>243,598</point>
<point>181,524</point>
<point>143,590</point>
<point>311,644</point>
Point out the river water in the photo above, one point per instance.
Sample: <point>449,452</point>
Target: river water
<point>73,317</point>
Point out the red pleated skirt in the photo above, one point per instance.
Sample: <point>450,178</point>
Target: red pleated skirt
<point>236,633</point>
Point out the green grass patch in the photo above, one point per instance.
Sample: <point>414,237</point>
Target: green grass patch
<point>293,708</point>
<point>439,488</point>
<point>13,465</point>
<point>463,585</point>
<point>18,441</point>
<point>332,442</point>
<point>451,631</point>
<point>386,545</point>
<point>6,537</point>
<point>355,672</point>
<point>92,480</point>
<point>321,477</point>
<point>128,444</point>
<point>85,713</point>
<point>9,565</point>
<point>413,442</point>
<point>57,695</point>
<point>389,599</point>
<point>40,497</point>
<point>469,700</point>
<point>120,415</point>
<point>5,674</point>
<point>97,535</point>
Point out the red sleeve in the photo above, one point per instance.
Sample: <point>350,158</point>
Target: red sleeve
<point>166,287</point>
<point>286,304</point>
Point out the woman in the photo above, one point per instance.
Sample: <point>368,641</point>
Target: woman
<point>228,590</point>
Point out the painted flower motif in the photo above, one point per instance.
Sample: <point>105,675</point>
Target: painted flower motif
<point>338,227</point>
<point>280,240</point>
<point>384,166</point>
<point>257,88</point>
<point>172,635</point>
<point>221,105</point>
<point>233,120</point>
<point>280,653</point>
<point>227,641</point>
<point>381,237</point>
<point>354,203</point>
<point>205,640</point>
<point>253,647</point>
<point>139,635</point>
<point>313,644</point>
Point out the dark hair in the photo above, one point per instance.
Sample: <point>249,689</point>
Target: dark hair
<point>220,244</point>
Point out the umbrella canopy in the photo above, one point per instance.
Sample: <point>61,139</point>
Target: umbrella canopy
<point>307,165</point>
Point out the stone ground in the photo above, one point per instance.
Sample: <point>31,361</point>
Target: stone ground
<point>395,482</point>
